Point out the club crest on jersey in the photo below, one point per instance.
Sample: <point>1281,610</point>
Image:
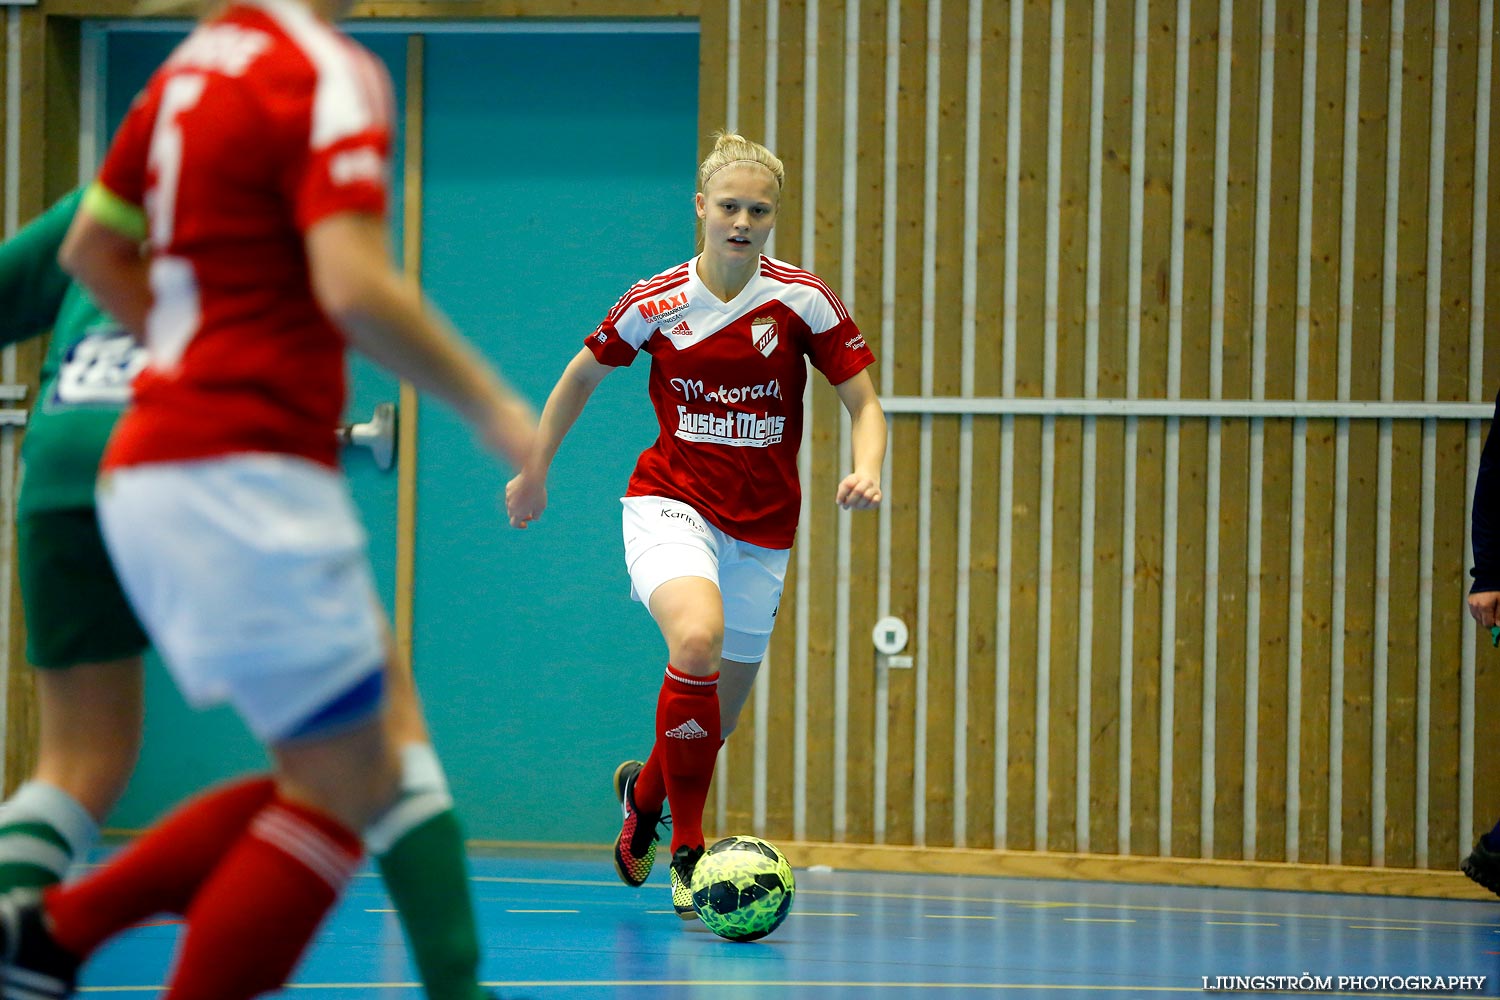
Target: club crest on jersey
<point>763,335</point>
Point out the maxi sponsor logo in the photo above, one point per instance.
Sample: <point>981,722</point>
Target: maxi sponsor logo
<point>664,310</point>
<point>737,430</point>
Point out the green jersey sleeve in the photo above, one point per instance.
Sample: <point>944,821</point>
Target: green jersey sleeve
<point>32,283</point>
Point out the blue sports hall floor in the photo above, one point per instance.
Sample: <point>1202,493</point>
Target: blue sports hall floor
<point>565,927</point>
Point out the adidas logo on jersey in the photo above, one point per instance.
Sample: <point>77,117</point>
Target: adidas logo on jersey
<point>689,730</point>
<point>680,330</point>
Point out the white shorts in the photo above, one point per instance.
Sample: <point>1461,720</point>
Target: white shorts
<point>250,575</point>
<point>666,539</point>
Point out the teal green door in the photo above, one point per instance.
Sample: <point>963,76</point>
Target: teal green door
<point>558,169</point>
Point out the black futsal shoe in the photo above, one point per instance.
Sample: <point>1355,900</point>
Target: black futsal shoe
<point>684,860</point>
<point>32,964</point>
<point>635,847</point>
<point>1483,866</point>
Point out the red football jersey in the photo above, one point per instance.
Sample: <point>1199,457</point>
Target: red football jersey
<point>726,381</point>
<point>262,122</point>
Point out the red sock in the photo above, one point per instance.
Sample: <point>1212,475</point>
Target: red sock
<point>650,787</point>
<point>687,743</point>
<point>650,790</point>
<point>251,921</point>
<point>158,873</point>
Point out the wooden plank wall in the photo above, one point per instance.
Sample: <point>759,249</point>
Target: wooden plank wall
<point>1182,635</point>
<point>1186,635</point>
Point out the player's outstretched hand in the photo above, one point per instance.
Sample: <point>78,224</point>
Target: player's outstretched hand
<point>525,499</point>
<point>858,492</point>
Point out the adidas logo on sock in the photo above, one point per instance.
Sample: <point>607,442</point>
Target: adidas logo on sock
<point>689,730</point>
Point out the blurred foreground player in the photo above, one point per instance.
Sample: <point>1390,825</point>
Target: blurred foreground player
<point>254,165</point>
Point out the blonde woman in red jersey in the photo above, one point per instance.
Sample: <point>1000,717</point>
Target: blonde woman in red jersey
<point>711,509</point>
<point>254,168</point>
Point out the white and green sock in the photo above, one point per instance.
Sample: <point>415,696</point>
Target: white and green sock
<point>419,848</point>
<point>43,831</point>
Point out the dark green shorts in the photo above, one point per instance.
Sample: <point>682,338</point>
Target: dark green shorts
<point>75,610</point>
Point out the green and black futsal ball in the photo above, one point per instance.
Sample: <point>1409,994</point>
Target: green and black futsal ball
<point>742,888</point>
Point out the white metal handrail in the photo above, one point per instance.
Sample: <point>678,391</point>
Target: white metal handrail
<point>1231,408</point>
